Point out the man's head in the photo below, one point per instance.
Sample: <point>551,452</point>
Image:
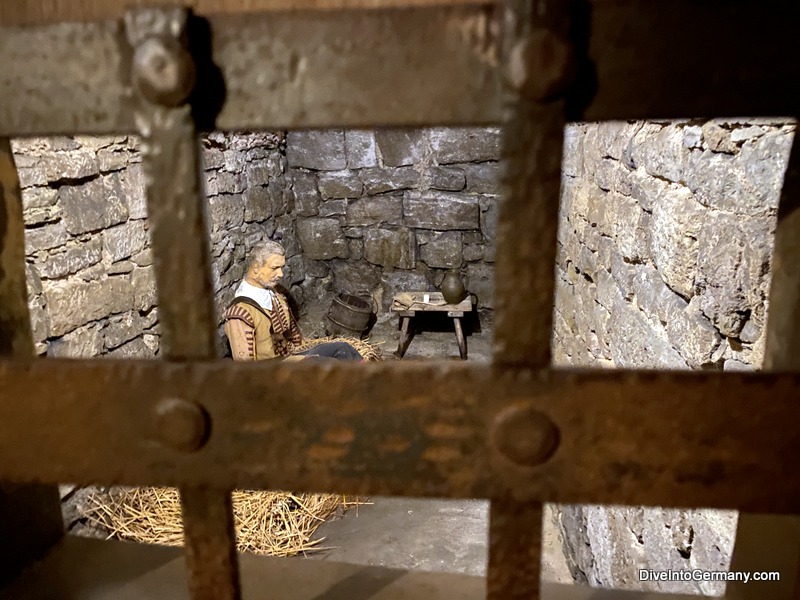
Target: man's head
<point>265,264</point>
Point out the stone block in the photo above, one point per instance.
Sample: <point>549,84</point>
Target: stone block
<point>132,182</point>
<point>258,173</point>
<point>340,184</point>
<point>378,210</point>
<point>379,180</point>
<point>73,302</point>
<point>227,211</point>
<point>322,239</point>
<point>360,148</point>
<point>653,296</point>
<point>441,211</point>
<point>93,205</point>
<point>465,144</point>
<point>631,228</point>
<point>693,335</point>
<point>358,278</point>
<point>72,258</point>
<point>718,139</point>
<point>473,252</point>
<point>676,223</point>
<point>613,138</point>
<point>143,283</point>
<point>213,158</point>
<point>356,246</point>
<point>448,179</point>
<point>136,348</point>
<point>391,248</point>
<point>84,342</point>
<point>443,250</point>
<point>143,258</point>
<point>71,166</point>
<point>316,268</point>
<point>483,178</point>
<point>40,216</point>
<point>572,157</point>
<point>286,234</point>
<point>33,176</point>
<point>125,240</point>
<point>122,267</point>
<point>764,163</point>
<point>40,319</point>
<point>321,150</point>
<point>394,282</point>
<point>235,159</point>
<point>38,197</point>
<point>480,281</point>
<point>123,328</point>
<point>332,208</point>
<point>488,220</point>
<point>638,344</point>
<point>257,204</point>
<point>306,194</point>
<point>113,159</point>
<point>401,147</point>
<point>295,270</point>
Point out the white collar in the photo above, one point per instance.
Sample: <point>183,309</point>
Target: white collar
<point>264,297</point>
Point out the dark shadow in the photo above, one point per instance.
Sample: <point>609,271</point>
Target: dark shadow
<point>294,305</point>
<point>584,89</point>
<point>362,584</point>
<point>209,93</point>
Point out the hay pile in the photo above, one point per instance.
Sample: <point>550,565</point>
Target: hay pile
<point>271,523</point>
<point>370,351</point>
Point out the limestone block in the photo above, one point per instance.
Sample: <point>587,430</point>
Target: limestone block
<point>442,250</point>
<point>113,159</point>
<point>465,144</point>
<point>391,248</point>
<point>693,136</point>
<point>286,234</point>
<point>480,281</point>
<point>638,344</point>
<point>257,204</point>
<point>473,252</point>
<point>136,348</point>
<point>84,342</point>
<point>33,176</point>
<point>401,147</point>
<point>143,282</point>
<point>73,302</point>
<point>38,197</point>
<point>322,239</point>
<point>378,180</point>
<point>676,223</point>
<point>356,246</point>
<point>94,205</point>
<point>572,158</point>
<point>340,184</point>
<point>295,270</point>
<point>653,296</point>
<point>764,163</point>
<point>717,138</point>
<point>645,189</point>
<point>227,211</point>
<point>692,334</point>
<point>257,173</point>
<point>213,158</point>
<point>663,153</point>
<point>482,178</point>
<point>40,319</point>
<point>125,240</point>
<point>631,228</point>
<point>40,216</point>
<point>331,208</point>
<point>394,282</point>
<point>360,148</point>
<point>358,278</point>
<point>73,165</point>
<point>132,182</point>
<point>316,268</point>
<point>235,159</point>
<point>613,138</point>
<point>448,179</point>
<point>307,196</point>
<point>72,258</point>
<point>378,210</point>
<point>441,211</point>
<point>123,328</point>
<point>719,181</point>
<point>321,150</point>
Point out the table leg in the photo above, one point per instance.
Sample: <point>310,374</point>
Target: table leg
<point>402,345</point>
<point>462,342</point>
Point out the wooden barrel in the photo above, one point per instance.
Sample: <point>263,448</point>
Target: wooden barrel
<point>350,314</point>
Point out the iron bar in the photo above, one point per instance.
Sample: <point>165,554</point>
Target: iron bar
<point>30,515</point>
<point>664,439</point>
<point>515,550</point>
<point>163,75</point>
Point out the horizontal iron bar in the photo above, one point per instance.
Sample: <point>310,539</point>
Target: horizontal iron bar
<point>434,65</point>
<point>670,439</point>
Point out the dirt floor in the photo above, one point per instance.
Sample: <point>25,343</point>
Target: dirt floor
<point>425,534</point>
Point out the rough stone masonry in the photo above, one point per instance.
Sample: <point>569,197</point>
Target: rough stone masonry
<point>665,239</point>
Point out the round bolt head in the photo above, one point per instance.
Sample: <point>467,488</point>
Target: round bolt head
<point>541,67</point>
<point>181,425</point>
<point>163,71</point>
<point>525,436</point>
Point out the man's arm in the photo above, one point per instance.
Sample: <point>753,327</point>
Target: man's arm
<point>242,339</point>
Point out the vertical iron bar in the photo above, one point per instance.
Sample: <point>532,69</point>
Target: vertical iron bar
<point>538,66</point>
<point>164,76</point>
<point>30,515</point>
<point>770,542</point>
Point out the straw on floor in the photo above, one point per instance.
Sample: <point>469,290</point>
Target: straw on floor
<point>271,523</point>
<point>370,351</point>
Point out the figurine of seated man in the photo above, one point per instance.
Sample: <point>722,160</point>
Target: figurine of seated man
<point>259,323</point>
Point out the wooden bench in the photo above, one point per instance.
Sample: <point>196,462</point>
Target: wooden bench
<point>454,311</point>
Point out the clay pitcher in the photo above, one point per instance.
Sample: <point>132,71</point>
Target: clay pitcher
<point>452,287</point>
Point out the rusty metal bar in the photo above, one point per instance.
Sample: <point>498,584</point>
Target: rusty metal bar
<point>364,68</point>
<point>663,439</point>
<point>30,515</point>
<point>514,559</point>
<point>164,76</point>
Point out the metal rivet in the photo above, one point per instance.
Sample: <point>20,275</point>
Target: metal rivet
<point>541,66</point>
<point>163,71</point>
<point>525,436</point>
<point>181,425</point>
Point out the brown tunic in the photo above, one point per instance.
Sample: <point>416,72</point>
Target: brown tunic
<point>257,334</point>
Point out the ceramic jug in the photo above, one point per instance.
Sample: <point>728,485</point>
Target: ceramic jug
<point>452,287</point>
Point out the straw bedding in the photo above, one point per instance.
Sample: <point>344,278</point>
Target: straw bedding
<point>271,523</point>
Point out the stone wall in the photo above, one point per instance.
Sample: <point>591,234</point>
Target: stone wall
<point>664,253</point>
<point>379,212</point>
<point>90,275</point>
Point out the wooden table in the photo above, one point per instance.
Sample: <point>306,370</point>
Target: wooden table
<point>454,311</point>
